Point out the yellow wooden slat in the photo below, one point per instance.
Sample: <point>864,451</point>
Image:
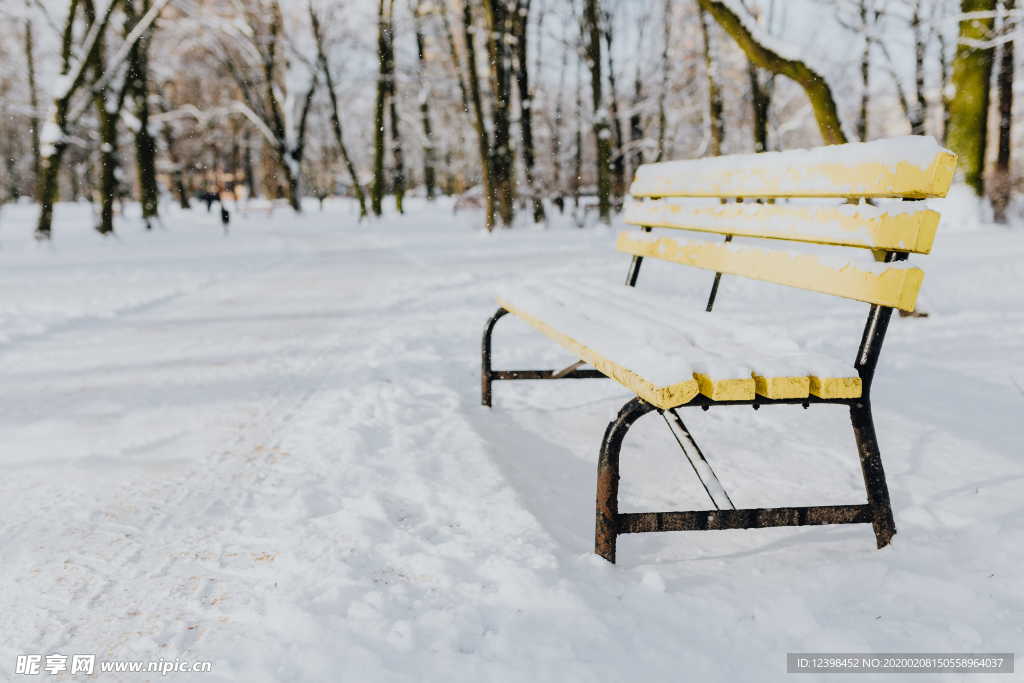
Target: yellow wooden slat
<point>662,397</point>
<point>836,387</point>
<point>782,387</point>
<point>665,397</point>
<point>894,286</point>
<point>909,167</point>
<point>854,226</point>
<point>740,389</point>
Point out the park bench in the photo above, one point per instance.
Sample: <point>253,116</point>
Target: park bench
<point>670,358</point>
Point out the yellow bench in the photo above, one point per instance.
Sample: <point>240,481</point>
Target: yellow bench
<point>671,359</point>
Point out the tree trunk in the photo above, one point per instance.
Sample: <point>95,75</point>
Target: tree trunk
<point>760,96</point>
<point>663,93</point>
<point>145,144</point>
<point>760,100</point>
<point>502,167</point>
<point>298,151</point>
<point>108,163</point>
<point>636,125</point>
<point>33,95</point>
<point>577,165</point>
<point>398,178</point>
<point>247,166</point>
<point>716,124</point>
<point>592,29</point>
<point>332,98</point>
<point>288,160</point>
<point>1001,184</point>
<point>557,186</point>
<point>867,26</point>
<point>475,99</point>
<point>11,152</point>
<point>377,189</point>
<point>618,156</point>
<point>944,82</point>
<point>968,109</point>
<point>291,181</point>
<point>429,152</point>
<point>107,115</point>
<point>398,182</point>
<point>919,110</point>
<point>48,189</point>
<point>521,21</point>
<point>52,149</point>
<point>814,84</point>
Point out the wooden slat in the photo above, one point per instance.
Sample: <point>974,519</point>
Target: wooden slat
<point>853,226</point>
<point>782,387</point>
<point>909,167</point>
<point>738,389</point>
<point>894,286</point>
<point>836,387</point>
<point>662,397</point>
<point>719,388</point>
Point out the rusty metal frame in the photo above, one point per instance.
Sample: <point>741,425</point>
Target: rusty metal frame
<point>488,374</point>
<point>610,523</point>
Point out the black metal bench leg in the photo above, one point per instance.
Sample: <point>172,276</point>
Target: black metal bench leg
<point>485,357</point>
<point>874,475</point>
<point>607,523</point>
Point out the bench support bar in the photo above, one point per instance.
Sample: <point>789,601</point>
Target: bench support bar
<point>701,520</point>
<point>489,375</point>
<point>610,523</point>
<point>874,475</point>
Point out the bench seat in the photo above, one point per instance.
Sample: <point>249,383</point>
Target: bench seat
<point>652,345</point>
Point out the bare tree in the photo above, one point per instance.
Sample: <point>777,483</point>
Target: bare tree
<point>472,102</point>
<point>556,128</point>
<point>137,83</point>
<point>257,65</point>
<point>386,108</point>
<point>397,154</point>
<point>498,21</point>
<point>716,122</point>
<point>332,98</point>
<point>636,119</point>
<point>108,104</point>
<point>666,21</point>
<point>602,134</point>
<point>33,93</point>
<point>1001,184</point>
<point>618,156</point>
<point>419,9</point>
<point>521,24</point>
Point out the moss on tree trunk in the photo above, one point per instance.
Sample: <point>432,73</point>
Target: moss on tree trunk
<point>968,108</point>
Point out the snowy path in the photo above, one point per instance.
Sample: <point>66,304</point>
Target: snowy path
<point>267,451</point>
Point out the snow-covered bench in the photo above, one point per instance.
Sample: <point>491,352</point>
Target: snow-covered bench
<point>670,357</point>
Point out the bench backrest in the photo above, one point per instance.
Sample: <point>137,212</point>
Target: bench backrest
<point>909,168</point>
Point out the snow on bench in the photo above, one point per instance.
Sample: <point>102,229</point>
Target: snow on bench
<point>651,344</point>
<point>904,167</point>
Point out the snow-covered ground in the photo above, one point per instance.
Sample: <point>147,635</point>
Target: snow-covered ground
<point>266,450</point>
